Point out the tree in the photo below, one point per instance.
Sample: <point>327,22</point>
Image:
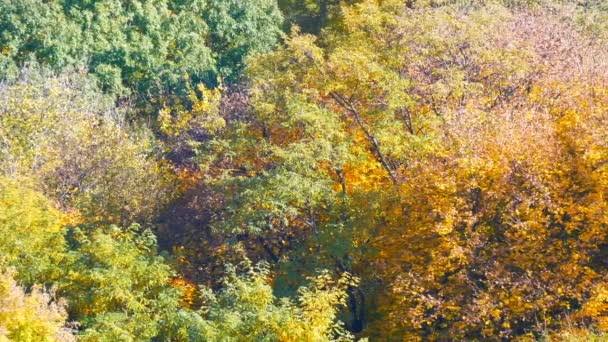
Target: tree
<point>403,136</point>
<point>140,46</point>
<point>63,132</point>
<point>239,29</point>
<point>313,15</point>
<point>32,233</point>
<point>153,49</point>
<point>117,286</point>
<point>246,309</point>
<point>30,317</point>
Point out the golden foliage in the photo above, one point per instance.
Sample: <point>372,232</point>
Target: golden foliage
<point>30,317</point>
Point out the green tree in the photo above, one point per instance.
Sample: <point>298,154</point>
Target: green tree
<point>148,48</point>
<point>135,45</point>
<point>245,309</point>
<point>117,286</point>
<point>313,15</point>
<point>239,29</point>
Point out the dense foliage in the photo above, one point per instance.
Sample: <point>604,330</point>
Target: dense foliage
<point>29,317</point>
<point>319,170</point>
<point>145,47</point>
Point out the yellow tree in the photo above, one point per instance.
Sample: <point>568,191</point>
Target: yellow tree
<point>458,149</point>
<point>30,317</point>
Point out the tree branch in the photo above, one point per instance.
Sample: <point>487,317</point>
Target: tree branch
<point>346,104</point>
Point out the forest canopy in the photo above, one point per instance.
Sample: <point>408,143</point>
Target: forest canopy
<point>319,170</point>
